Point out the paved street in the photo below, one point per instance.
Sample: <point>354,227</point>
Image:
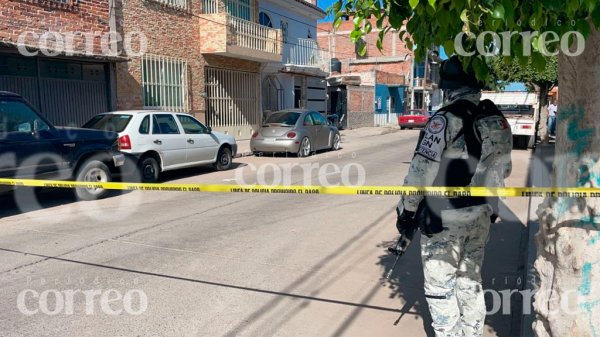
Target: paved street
<point>238,264</point>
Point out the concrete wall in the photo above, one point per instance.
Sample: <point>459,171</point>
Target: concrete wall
<point>301,23</point>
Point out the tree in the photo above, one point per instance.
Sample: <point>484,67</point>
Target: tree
<point>568,261</point>
<point>539,81</point>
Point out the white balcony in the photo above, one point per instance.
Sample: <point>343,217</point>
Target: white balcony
<point>305,55</point>
<point>230,35</point>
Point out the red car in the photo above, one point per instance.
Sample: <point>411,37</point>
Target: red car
<point>414,118</point>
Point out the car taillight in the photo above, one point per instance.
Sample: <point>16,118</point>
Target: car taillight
<point>124,143</point>
<point>525,126</point>
<point>255,134</point>
<point>291,134</point>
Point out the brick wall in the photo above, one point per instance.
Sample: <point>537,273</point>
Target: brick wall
<point>174,33</point>
<point>41,16</point>
<point>389,78</point>
<point>389,59</point>
<point>213,33</point>
<point>361,102</point>
<point>169,32</point>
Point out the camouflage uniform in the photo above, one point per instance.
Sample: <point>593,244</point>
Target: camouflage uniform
<point>452,259</point>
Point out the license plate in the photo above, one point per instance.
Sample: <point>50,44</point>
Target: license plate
<point>411,120</point>
<point>269,140</point>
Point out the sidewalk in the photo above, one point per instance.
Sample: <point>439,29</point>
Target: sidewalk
<point>347,135</point>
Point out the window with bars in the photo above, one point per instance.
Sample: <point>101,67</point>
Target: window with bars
<point>241,9</point>
<point>179,4</point>
<point>164,83</point>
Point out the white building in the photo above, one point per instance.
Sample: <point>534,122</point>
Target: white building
<point>299,80</point>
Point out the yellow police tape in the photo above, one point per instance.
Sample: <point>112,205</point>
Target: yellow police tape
<point>571,192</point>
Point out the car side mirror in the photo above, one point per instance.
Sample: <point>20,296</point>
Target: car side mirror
<point>209,129</point>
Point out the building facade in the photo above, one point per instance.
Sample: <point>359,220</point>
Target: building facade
<point>298,81</point>
<point>397,81</point>
<point>60,55</point>
<point>203,57</point>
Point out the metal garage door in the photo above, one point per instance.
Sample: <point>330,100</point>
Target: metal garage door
<point>67,93</point>
<point>232,101</point>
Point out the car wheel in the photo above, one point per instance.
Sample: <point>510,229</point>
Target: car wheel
<point>335,145</point>
<point>92,171</point>
<point>305,148</point>
<point>402,128</point>
<point>224,159</point>
<point>149,169</point>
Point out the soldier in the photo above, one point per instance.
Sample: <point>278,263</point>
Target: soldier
<point>466,143</point>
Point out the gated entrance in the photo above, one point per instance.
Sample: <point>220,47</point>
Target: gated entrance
<point>67,92</point>
<point>232,102</point>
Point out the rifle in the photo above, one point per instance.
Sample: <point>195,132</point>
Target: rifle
<point>407,228</point>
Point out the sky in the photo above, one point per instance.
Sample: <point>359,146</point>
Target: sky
<point>324,4</point>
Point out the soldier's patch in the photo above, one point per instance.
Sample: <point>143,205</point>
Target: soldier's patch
<point>433,143</point>
<point>436,124</point>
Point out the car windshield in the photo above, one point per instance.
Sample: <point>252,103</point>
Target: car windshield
<point>108,122</point>
<point>16,116</point>
<point>285,118</point>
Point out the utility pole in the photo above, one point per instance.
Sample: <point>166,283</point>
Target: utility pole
<point>412,81</point>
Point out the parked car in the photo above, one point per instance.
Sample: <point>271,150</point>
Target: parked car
<point>159,141</point>
<point>414,118</point>
<point>31,147</point>
<point>295,131</point>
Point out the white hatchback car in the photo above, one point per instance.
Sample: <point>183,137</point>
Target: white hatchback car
<point>161,141</point>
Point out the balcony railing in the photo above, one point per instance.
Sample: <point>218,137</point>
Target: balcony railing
<point>306,52</point>
<point>253,35</point>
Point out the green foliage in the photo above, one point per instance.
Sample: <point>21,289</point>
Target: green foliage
<point>513,71</point>
<point>438,22</point>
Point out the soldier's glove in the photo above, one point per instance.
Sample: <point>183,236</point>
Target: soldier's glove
<point>406,222</point>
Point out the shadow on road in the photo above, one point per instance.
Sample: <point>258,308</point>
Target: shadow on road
<point>192,172</point>
<point>279,294</point>
<point>406,282</point>
<point>29,199</point>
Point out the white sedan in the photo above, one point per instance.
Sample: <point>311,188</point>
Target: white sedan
<point>161,141</point>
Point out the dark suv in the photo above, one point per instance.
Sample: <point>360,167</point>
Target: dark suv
<point>31,147</point>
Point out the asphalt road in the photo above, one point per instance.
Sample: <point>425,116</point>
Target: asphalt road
<point>192,264</point>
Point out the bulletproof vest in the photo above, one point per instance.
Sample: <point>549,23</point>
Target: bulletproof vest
<point>458,172</point>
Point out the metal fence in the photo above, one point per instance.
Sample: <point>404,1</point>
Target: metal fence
<point>232,98</point>
<point>164,83</point>
<point>306,52</point>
